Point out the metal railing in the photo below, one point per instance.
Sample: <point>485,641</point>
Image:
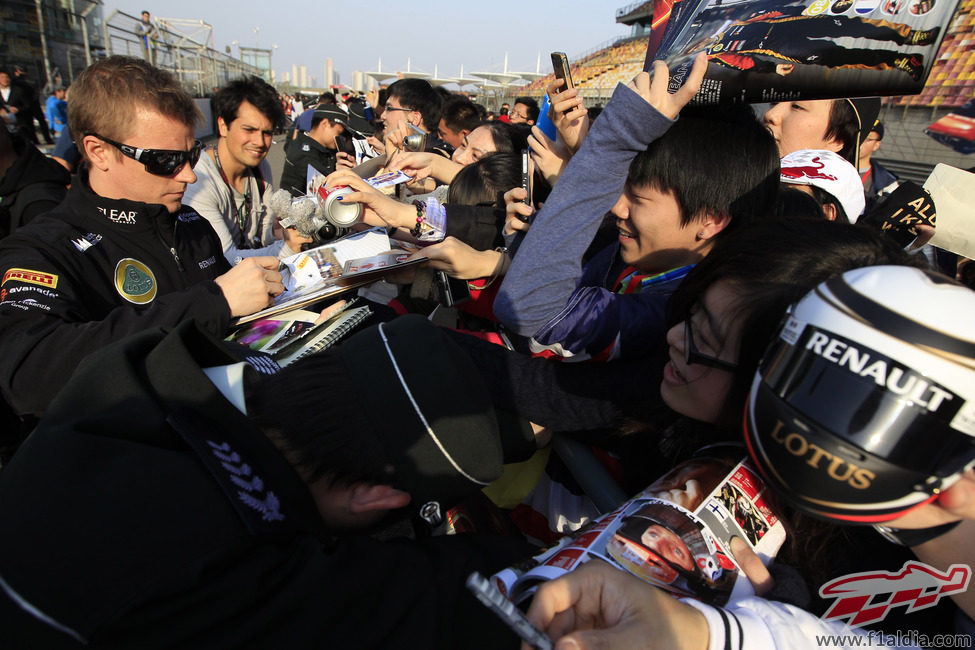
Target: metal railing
<point>198,66</point>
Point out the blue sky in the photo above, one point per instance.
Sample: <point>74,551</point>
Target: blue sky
<point>436,32</point>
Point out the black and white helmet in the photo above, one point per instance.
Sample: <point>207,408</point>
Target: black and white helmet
<point>863,406</point>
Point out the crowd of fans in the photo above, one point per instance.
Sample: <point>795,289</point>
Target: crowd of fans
<point>163,487</point>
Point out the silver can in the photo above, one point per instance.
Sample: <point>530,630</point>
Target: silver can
<point>342,215</point>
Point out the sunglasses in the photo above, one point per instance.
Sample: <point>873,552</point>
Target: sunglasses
<point>692,355</point>
<point>159,162</point>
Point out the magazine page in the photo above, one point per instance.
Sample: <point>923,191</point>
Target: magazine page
<point>768,50</point>
<point>309,270</point>
<point>266,334</point>
<point>662,11</point>
<point>327,271</point>
<point>676,535</point>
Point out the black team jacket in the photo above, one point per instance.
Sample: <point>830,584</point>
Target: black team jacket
<point>146,511</point>
<point>301,152</point>
<point>93,271</point>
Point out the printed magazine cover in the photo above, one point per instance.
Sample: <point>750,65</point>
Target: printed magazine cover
<point>676,534</point>
<point>768,50</point>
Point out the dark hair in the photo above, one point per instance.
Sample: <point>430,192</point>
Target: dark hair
<point>844,127</point>
<point>531,105</point>
<point>326,98</point>
<point>772,264</point>
<point>327,439</point>
<point>460,113</point>
<point>793,203</point>
<point>482,112</point>
<point>317,118</point>
<point>480,182</point>
<point>508,138</point>
<point>717,160</point>
<point>445,94</point>
<point>253,90</point>
<point>418,95</point>
<point>825,198</point>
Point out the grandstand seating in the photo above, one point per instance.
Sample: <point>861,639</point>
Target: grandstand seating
<point>602,69</point>
<point>952,79</point>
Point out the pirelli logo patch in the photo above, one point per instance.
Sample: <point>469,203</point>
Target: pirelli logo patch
<point>135,281</point>
<point>33,277</point>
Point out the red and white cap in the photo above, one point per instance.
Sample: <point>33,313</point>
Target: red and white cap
<point>828,171</point>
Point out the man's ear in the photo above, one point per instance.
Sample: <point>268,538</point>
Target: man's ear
<point>829,209</point>
<point>367,497</point>
<point>222,127</point>
<point>98,152</point>
<point>416,119</point>
<point>711,224</point>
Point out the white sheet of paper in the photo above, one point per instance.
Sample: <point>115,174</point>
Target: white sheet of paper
<point>365,244</point>
<point>953,191</point>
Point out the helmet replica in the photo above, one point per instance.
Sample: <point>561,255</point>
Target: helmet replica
<point>862,407</point>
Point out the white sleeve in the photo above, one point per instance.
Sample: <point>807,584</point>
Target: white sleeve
<point>758,624</point>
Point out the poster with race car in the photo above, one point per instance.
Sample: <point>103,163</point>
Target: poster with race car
<point>768,50</point>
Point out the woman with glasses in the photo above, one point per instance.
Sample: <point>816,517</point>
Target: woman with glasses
<point>725,315</point>
<point>719,322</point>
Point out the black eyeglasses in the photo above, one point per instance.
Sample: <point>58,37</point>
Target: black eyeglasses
<point>397,108</point>
<point>160,162</point>
<point>693,355</point>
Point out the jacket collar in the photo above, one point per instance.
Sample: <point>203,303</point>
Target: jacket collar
<point>305,139</point>
<point>123,214</point>
<point>217,431</point>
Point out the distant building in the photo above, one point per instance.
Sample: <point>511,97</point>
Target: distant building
<point>50,40</point>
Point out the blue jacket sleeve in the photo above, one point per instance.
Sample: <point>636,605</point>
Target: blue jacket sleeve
<point>546,271</point>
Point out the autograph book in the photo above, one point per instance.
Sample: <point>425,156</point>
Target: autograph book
<point>294,335</point>
<point>340,266</point>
